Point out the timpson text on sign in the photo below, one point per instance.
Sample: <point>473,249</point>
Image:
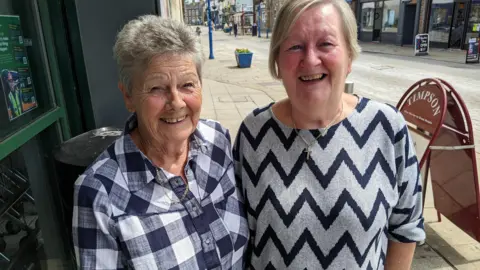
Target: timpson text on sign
<point>423,107</point>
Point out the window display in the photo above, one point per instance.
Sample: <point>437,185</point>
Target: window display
<point>473,29</point>
<point>368,16</point>
<point>440,20</point>
<point>25,81</point>
<point>390,16</point>
<point>15,78</point>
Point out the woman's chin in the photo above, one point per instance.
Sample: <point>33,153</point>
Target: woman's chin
<point>313,96</point>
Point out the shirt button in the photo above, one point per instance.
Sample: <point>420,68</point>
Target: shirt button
<point>207,241</point>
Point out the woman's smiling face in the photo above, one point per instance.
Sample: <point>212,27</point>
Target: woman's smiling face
<point>314,60</point>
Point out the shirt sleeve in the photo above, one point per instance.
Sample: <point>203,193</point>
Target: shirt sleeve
<point>238,168</point>
<point>93,238</point>
<point>406,223</point>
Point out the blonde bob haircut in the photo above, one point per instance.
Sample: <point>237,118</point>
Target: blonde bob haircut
<point>290,12</point>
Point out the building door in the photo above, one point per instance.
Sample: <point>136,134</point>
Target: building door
<point>377,21</point>
<point>409,24</point>
<point>458,24</point>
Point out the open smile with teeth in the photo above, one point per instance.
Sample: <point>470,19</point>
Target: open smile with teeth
<point>317,77</point>
<point>173,120</point>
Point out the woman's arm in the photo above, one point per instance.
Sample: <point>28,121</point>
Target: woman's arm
<point>95,246</point>
<point>399,255</point>
<point>406,225</point>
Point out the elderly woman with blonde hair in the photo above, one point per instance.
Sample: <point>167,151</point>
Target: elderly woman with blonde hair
<point>330,179</point>
<point>163,195</point>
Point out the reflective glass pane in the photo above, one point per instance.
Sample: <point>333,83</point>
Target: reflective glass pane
<point>25,84</point>
<point>32,234</point>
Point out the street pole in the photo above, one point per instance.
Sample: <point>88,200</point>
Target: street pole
<point>259,19</point>
<point>210,39</point>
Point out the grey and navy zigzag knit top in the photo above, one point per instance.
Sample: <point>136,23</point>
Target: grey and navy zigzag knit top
<point>337,210</point>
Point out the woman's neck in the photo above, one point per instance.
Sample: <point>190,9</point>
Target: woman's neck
<point>170,156</point>
<point>320,117</point>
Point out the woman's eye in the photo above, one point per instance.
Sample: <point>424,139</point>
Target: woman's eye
<point>325,44</point>
<point>188,85</point>
<point>156,89</point>
<point>294,48</point>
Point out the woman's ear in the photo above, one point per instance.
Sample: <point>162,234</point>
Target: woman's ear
<point>279,75</point>
<point>127,97</point>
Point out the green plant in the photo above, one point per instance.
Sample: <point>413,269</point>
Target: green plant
<point>242,50</point>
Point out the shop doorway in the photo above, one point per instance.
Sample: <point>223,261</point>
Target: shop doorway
<point>458,25</point>
<point>409,24</point>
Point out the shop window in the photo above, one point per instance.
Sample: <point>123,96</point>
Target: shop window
<point>368,16</point>
<point>390,16</point>
<point>474,21</point>
<point>440,20</point>
<point>25,83</point>
<point>30,233</point>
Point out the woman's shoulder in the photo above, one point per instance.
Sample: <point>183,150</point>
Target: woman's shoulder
<point>102,172</point>
<point>258,116</point>
<point>380,111</point>
<point>213,131</point>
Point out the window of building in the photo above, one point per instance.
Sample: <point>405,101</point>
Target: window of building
<point>440,20</point>
<point>390,16</point>
<point>474,21</point>
<point>368,16</point>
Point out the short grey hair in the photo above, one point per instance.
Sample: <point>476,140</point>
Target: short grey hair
<point>288,16</point>
<point>148,36</point>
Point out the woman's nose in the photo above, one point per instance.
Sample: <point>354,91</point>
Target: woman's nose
<point>176,99</point>
<point>311,58</point>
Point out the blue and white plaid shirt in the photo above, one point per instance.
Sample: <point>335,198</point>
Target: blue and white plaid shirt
<point>127,212</point>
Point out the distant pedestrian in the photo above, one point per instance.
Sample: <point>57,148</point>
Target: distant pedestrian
<point>235,29</point>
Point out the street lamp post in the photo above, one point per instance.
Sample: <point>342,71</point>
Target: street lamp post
<point>210,30</point>
<point>259,18</point>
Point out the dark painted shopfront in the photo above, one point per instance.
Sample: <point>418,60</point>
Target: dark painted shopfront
<point>451,23</point>
<point>393,21</point>
<point>57,80</point>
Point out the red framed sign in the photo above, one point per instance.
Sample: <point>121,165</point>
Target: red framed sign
<point>442,131</point>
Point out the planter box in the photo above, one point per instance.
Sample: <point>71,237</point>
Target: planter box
<point>244,60</point>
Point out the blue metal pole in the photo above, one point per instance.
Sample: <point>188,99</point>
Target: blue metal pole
<point>259,19</point>
<point>210,39</point>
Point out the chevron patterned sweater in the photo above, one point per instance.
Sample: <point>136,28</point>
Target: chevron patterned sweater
<point>337,210</point>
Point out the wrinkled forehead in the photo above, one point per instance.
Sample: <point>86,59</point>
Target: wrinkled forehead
<point>166,68</point>
<point>319,17</point>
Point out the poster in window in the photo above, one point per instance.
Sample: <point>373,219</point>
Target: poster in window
<point>15,74</point>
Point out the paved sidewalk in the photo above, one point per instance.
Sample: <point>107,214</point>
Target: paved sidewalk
<point>230,93</point>
<point>445,55</point>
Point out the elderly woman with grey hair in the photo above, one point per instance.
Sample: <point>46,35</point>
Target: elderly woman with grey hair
<point>163,195</point>
<point>330,179</point>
